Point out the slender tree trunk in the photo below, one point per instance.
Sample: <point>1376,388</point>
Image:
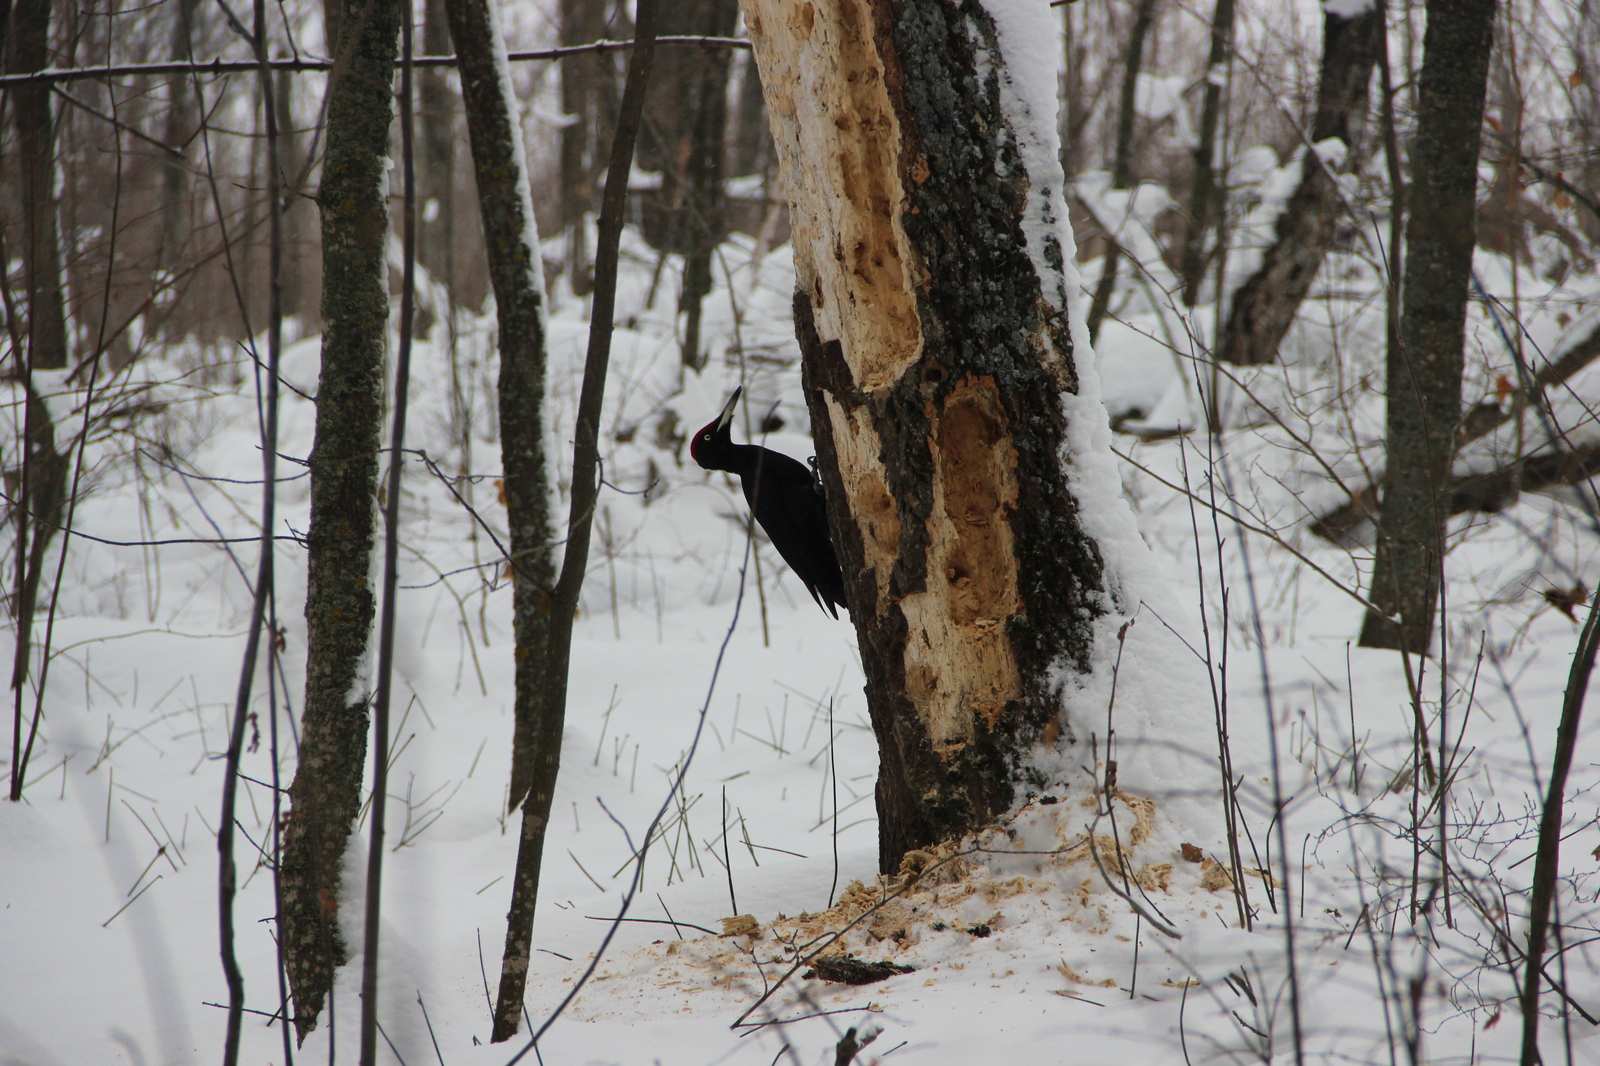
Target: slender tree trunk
<point>512,238</point>
<point>587,98</point>
<point>936,353</point>
<point>1424,372</point>
<point>549,611</point>
<point>436,248</point>
<point>1266,304</point>
<point>180,126</point>
<point>684,126</point>
<point>751,150</point>
<point>28,44</point>
<point>1206,199</point>
<point>43,486</point>
<point>344,469</point>
<point>292,219</point>
<point>1122,165</point>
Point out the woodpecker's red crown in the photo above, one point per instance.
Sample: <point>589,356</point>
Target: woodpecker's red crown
<point>716,426</point>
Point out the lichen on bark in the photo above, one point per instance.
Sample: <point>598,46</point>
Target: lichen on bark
<point>326,792</point>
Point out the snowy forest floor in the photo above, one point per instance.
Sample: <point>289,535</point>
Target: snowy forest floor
<point>1021,948</point>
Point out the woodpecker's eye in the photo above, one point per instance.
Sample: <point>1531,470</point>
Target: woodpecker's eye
<point>706,437</point>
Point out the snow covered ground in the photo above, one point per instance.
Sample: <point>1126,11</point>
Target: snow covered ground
<point>1023,951</point>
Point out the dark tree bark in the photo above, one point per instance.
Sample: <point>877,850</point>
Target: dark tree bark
<point>685,122</point>
<point>1266,304</point>
<point>751,149</point>
<point>344,469</point>
<point>28,49</point>
<point>1206,199</point>
<point>1477,422</point>
<point>179,127</point>
<point>300,283</point>
<point>589,96</point>
<point>1424,372</point>
<point>935,359</point>
<point>436,228</point>
<point>512,238</point>
<point>1122,165</point>
<point>43,473</point>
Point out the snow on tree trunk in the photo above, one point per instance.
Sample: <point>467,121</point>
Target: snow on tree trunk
<point>958,427</point>
<point>340,604</point>
<point>512,239</point>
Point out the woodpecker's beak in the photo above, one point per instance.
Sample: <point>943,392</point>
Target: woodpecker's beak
<point>727,412</point>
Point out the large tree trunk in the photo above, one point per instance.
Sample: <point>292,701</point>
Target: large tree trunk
<point>1266,304</point>
<point>344,471</point>
<point>1424,372</point>
<point>936,355</point>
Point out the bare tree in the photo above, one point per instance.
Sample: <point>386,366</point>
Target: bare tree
<point>1122,164</point>
<point>344,469</point>
<point>512,238</point>
<point>1265,306</point>
<point>1206,198</point>
<point>682,140</point>
<point>1424,371</point>
<point>589,94</point>
<point>42,477</point>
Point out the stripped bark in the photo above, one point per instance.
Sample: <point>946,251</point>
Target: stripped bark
<point>1264,307</point>
<point>935,358</point>
<point>1424,372</point>
<point>326,792</point>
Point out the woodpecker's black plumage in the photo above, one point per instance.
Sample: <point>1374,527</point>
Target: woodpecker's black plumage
<point>785,498</point>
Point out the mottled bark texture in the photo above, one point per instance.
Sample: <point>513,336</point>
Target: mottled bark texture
<point>511,236</point>
<point>935,357</point>
<point>326,792</point>
<point>1424,371</point>
<point>1265,306</point>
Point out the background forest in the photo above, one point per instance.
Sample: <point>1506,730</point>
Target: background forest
<point>1407,843</point>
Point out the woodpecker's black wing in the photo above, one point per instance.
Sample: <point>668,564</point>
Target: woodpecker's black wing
<point>784,498</point>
